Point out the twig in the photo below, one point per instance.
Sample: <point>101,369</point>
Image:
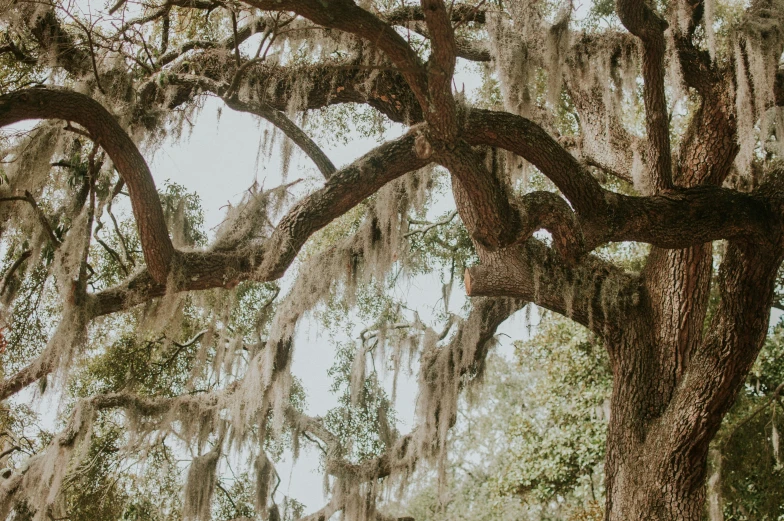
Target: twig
<point>28,198</point>
<point>77,131</point>
<point>111,251</point>
<point>116,6</point>
<point>15,266</point>
<point>9,451</point>
<point>180,347</point>
<point>117,190</point>
<point>430,226</point>
<point>89,34</point>
<point>747,419</point>
<point>228,496</point>
<point>165,33</point>
<point>236,37</point>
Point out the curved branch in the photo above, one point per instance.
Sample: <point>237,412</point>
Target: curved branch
<point>346,16</point>
<point>52,103</point>
<point>589,293</point>
<point>710,143</point>
<point>528,140</point>
<point>254,26</point>
<point>269,260</point>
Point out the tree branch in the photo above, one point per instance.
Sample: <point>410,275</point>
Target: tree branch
<point>528,140</point>
<point>590,293</point>
<point>430,226</point>
<point>41,366</point>
<point>346,16</point>
<point>20,55</point>
<point>441,111</point>
<point>52,103</point>
<point>481,198</point>
<point>288,127</point>
<point>28,198</point>
<point>643,22</point>
<point>679,219</point>
<point>710,143</point>
<point>458,13</point>
<point>12,269</point>
<point>269,260</point>
<point>383,88</point>
<point>548,211</point>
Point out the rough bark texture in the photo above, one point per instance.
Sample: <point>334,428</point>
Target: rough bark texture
<point>676,370</point>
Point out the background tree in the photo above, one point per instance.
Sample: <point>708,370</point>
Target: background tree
<point>530,443</point>
<point>655,124</point>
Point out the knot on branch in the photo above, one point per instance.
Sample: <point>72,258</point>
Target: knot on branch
<point>422,147</point>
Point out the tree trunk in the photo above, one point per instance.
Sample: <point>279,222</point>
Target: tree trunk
<point>675,377</point>
<point>644,485</point>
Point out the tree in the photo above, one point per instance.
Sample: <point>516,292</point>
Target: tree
<point>656,124</point>
<point>531,445</point>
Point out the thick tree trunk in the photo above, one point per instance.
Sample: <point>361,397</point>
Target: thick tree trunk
<point>649,475</point>
<point>644,485</point>
<point>671,386</point>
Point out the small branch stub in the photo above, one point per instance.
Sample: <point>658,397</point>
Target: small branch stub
<point>467,280</point>
<point>422,147</point>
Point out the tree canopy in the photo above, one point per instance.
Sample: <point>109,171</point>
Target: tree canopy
<point>619,166</point>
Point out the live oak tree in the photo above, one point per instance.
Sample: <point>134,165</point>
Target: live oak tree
<point>656,124</point>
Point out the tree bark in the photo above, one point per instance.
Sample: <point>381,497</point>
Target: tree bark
<point>671,386</point>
